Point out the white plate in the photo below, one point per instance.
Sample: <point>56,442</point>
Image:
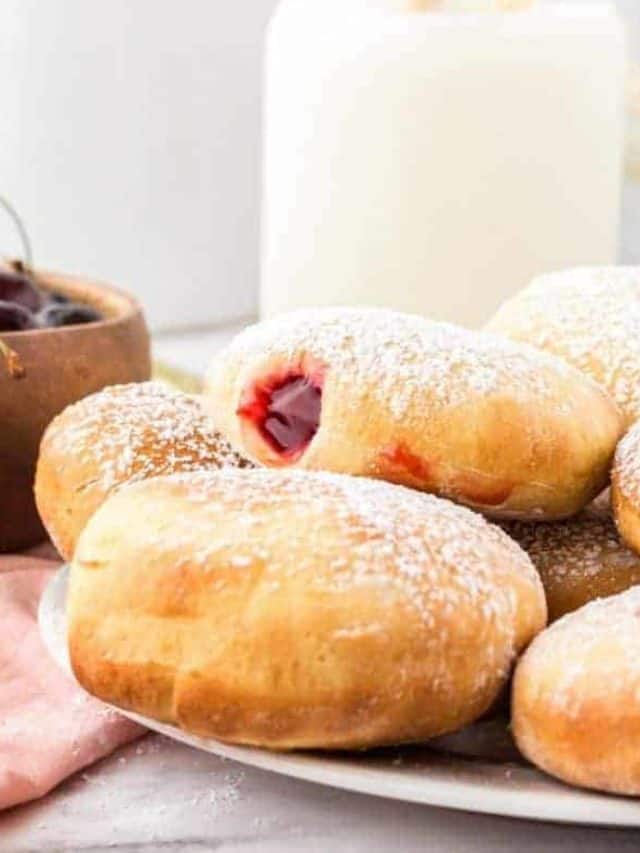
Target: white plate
<point>477,770</point>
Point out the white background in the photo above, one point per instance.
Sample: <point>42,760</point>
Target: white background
<point>131,144</point>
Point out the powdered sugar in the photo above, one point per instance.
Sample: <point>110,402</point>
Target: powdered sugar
<point>582,547</point>
<point>394,355</point>
<point>591,318</point>
<point>299,596</point>
<point>598,645</point>
<point>337,534</point>
<point>128,433</point>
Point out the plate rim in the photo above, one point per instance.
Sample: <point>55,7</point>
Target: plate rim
<point>587,808</point>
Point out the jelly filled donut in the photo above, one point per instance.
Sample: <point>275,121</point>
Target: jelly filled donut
<point>591,318</point>
<point>625,489</point>
<point>293,609</point>
<point>495,425</point>
<point>578,560</point>
<point>122,434</point>
<point>576,697</point>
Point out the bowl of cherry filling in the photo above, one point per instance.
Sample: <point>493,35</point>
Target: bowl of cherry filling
<point>61,338</point>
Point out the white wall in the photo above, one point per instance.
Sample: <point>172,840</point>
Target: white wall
<point>130,143</point>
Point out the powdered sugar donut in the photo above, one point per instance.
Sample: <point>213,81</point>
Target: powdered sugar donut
<point>578,560</point>
<point>291,609</point>
<point>120,435</point>
<point>591,318</point>
<point>576,697</point>
<point>491,424</point>
<point>625,490</point>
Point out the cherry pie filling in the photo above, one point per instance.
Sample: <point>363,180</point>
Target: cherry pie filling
<point>286,412</point>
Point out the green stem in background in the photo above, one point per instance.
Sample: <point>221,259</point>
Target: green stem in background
<point>27,252</point>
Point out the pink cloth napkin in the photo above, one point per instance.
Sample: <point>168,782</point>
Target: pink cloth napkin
<point>49,727</point>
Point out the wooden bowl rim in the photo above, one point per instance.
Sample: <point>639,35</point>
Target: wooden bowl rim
<point>95,293</point>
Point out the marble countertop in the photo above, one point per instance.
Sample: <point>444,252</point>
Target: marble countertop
<point>156,795</point>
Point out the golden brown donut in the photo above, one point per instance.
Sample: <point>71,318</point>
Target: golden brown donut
<point>120,435</point>
<point>292,609</point>
<point>576,697</point>
<point>578,560</point>
<point>625,488</point>
<point>591,318</point>
<point>491,424</point>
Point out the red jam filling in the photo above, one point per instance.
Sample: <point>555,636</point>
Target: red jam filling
<point>400,459</point>
<point>286,412</point>
<point>476,488</point>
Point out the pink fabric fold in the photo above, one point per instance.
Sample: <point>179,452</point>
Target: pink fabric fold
<point>49,727</point>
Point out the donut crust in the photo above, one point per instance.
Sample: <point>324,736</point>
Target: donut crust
<point>588,316</point>
<point>497,426</point>
<point>625,488</point>
<point>578,560</point>
<point>576,697</point>
<point>295,610</point>
<point>122,434</point>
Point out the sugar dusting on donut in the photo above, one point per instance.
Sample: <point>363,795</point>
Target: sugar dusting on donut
<point>590,317</point>
<point>573,549</point>
<point>127,433</point>
<point>439,556</point>
<point>394,354</point>
<point>580,640</point>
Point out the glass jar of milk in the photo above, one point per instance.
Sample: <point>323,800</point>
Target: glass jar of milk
<point>435,161</point>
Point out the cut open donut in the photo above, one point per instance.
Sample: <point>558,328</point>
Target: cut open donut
<point>368,392</point>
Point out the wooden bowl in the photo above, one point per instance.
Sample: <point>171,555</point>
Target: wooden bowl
<point>61,366</point>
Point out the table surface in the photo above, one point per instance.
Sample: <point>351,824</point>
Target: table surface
<point>156,795</point>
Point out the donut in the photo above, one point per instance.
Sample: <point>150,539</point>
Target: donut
<point>295,609</point>
<point>497,426</point>
<point>576,697</point>
<point>578,560</point>
<point>120,435</point>
<point>625,487</point>
<point>588,316</point>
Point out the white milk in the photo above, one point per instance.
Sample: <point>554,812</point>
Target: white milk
<point>435,162</point>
